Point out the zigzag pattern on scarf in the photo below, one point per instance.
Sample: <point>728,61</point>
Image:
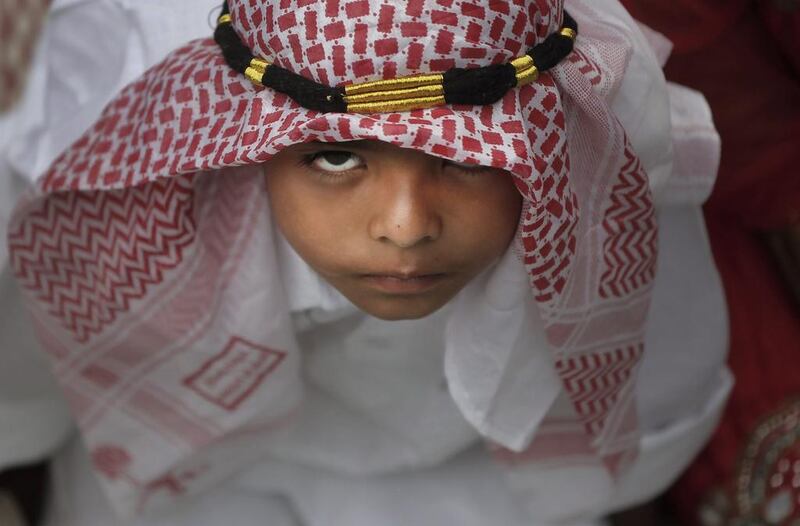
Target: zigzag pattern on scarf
<point>594,382</point>
<point>630,224</point>
<point>89,255</point>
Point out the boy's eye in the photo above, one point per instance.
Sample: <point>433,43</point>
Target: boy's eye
<point>470,168</point>
<point>464,166</point>
<point>335,161</point>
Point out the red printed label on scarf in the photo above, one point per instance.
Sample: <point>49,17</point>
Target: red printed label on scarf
<point>230,377</point>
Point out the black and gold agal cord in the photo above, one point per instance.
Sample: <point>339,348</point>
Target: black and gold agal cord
<point>474,86</point>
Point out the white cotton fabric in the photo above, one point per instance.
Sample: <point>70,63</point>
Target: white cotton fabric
<point>395,437</point>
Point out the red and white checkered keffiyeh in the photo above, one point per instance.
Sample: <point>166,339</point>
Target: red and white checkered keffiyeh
<point>147,255</point>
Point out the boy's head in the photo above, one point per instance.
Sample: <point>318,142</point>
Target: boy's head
<point>400,96</point>
<point>396,231</point>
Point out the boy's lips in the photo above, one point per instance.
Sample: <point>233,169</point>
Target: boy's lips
<point>404,282</point>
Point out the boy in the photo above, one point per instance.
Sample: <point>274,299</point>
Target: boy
<point>178,312</point>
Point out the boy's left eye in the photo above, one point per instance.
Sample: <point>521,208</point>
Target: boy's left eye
<point>464,166</point>
<point>335,161</point>
<point>471,168</point>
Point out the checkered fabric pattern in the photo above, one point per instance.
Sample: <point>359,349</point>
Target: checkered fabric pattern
<point>337,41</point>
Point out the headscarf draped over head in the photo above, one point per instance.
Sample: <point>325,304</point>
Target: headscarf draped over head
<point>147,255</point>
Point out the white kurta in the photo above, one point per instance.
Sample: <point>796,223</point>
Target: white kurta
<point>379,439</point>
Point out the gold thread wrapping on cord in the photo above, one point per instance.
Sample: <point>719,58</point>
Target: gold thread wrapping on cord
<point>414,81</point>
<point>224,19</point>
<point>396,95</point>
<point>259,64</point>
<point>527,76</point>
<point>522,63</point>
<point>569,33</point>
<point>254,76</point>
<point>255,72</point>
<point>419,103</point>
<point>527,71</point>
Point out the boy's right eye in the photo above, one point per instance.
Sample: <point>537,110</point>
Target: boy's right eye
<point>334,161</point>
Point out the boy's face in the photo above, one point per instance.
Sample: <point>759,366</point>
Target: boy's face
<point>398,232</point>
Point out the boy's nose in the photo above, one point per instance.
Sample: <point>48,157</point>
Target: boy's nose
<point>407,215</point>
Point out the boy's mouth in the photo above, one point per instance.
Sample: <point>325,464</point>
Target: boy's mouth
<point>404,282</point>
